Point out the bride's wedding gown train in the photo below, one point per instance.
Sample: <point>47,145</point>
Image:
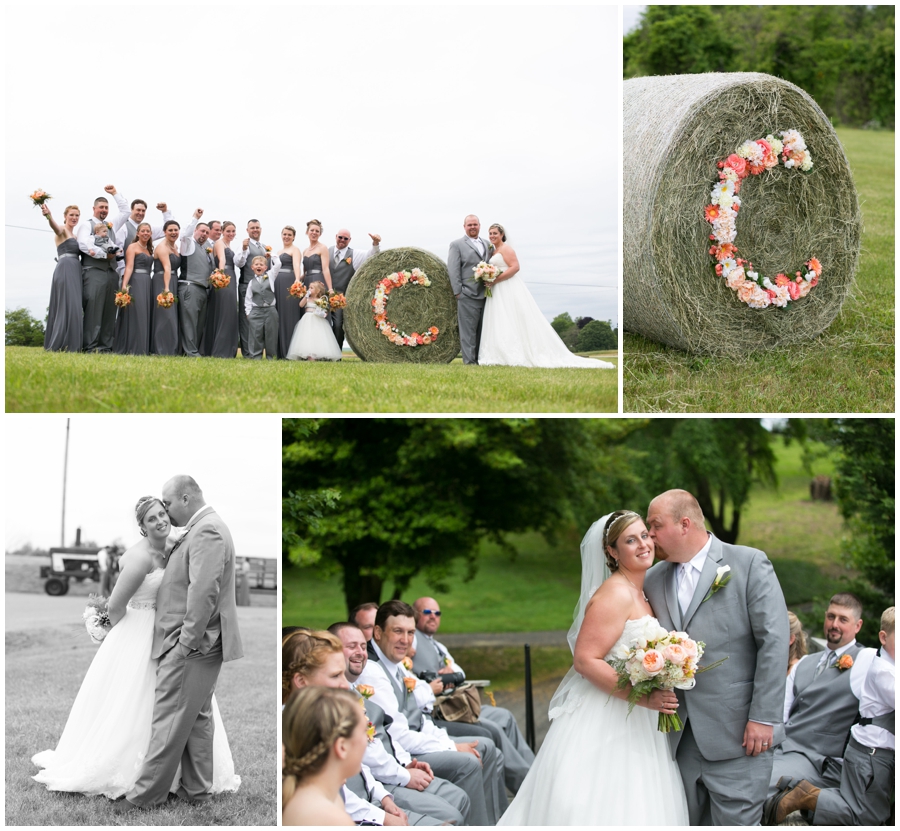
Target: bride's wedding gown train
<point>515,332</point>
<point>107,734</point>
<point>599,765</point>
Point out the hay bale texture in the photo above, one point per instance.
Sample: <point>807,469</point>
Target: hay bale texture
<point>411,308</point>
<point>676,129</point>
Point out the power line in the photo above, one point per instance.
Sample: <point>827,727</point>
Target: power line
<point>26,228</point>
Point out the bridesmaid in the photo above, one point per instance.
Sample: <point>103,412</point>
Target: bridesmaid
<point>64,318</point>
<point>222,308</point>
<point>166,262</point>
<point>289,312</point>
<point>133,322</point>
<point>315,257</point>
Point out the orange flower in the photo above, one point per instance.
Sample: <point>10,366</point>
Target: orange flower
<point>844,663</point>
<point>711,212</point>
<point>782,280</point>
<point>815,265</point>
<point>407,664</point>
<point>409,683</point>
<point>365,690</point>
<point>725,250</point>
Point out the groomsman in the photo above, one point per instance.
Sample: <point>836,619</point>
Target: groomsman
<point>127,230</point>
<point>465,254</point>
<point>345,262</point>
<point>193,285</point>
<point>99,281</point>
<point>251,248</point>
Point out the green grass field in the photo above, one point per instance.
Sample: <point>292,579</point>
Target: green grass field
<point>38,381</point>
<point>44,668</point>
<point>538,590</point>
<point>849,368</point>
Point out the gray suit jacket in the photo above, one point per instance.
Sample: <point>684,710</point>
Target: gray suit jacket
<point>462,259</point>
<point>745,621</point>
<point>196,600</point>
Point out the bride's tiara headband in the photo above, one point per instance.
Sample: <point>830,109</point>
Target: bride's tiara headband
<point>617,523</point>
<point>143,505</point>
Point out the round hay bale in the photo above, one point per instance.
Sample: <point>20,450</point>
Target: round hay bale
<point>410,308</point>
<point>676,129</point>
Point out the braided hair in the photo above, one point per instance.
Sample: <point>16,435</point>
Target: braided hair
<point>313,720</point>
<point>303,652</point>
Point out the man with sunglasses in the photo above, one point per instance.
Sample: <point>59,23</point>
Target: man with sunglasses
<point>345,262</point>
<point>431,655</point>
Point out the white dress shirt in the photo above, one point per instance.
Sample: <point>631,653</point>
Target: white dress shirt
<point>270,275</point>
<point>156,232</point>
<point>240,259</point>
<point>694,568</point>
<point>876,699</point>
<point>359,257</point>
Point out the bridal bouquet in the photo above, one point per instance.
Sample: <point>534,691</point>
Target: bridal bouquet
<point>659,660</point>
<point>165,299</point>
<point>487,274</point>
<point>96,617</point>
<point>337,301</point>
<point>39,197</point>
<point>297,290</point>
<point>219,279</point>
<point>123,297</point>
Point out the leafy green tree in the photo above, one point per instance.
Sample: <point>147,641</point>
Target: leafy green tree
<point>562,323</point>
<point>22,329</point>
<point>716,459</point>
<point>581,322</point>
<point>596,335</point>
<point>417,494</point>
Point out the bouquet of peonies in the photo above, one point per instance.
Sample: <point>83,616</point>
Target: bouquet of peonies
<point>658,660</point>
<point>123,297</point>
<point>39,197</point>
<point>337,301</point>
<point>219,279</point>
<point>297,290</point>
<point>96,617</point>
<point>487,274</point>
<point>165,299</point>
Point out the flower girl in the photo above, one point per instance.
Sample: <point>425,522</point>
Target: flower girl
<point>313,339</point>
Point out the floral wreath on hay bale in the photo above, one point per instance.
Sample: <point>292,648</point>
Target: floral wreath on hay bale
<point>751,159</point>
<point>379,305</point>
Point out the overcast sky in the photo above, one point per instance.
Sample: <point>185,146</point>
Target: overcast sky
<point>631,17</point>
<point>393,119</point>
<point>116,459</point>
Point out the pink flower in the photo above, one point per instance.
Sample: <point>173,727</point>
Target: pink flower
<point>653,662</point>
<point>689,647</point>
<point>745,290</point>
<point>675,653</point>
<point>737,164</point>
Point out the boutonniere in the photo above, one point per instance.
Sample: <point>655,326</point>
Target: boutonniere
<point>366,691</point>
<point>722,579</point>
<point>844,663</point>
<point>208,250</point>
<point>108,225</point>
<point>370,732</point>
<point>407,664</point>
<point>349,261</point>
<point>268,249</point>
<point>409,683</point>
<point>265,276</point>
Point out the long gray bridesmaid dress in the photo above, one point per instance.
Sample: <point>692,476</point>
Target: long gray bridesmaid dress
<point>289,311</point>
<point>221,335</point>
<point>65,317</point>
<point>164,339</point>
<point>133,322</point>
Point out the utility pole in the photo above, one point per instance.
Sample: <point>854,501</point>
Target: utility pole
<point>62,530</point>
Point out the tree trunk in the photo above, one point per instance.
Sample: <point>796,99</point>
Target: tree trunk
<point>360,588</point>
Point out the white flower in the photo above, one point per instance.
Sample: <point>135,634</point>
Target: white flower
<point>789,163</point>
<point>721,570</point>
<point>686,684</point>
<point>781,299</point>
<point>728,265</point>
<point>758,299</point>
<point>751,151</point>
<point>723,188</point>
<point>775,144</point>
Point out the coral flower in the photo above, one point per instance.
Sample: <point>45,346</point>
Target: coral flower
<point>781,280</point>
<point>737,164</point>
<point>815,265</point>
<point>711,212</point>
<point>793,290</point>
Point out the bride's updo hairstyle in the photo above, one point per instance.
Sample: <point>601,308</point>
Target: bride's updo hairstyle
<point>615,525</point>
<point>140,510</point>
<point>501,229</point>
<point>316,223</point>
<point>302,653</point>
<point>313,720</point>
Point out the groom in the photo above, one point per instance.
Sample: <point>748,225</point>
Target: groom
<point>195,631</point>
<point>465,254</point>
<point>728,597</point>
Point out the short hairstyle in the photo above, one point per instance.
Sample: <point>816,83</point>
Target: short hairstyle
<point>186,485</point>
<point>252,220</point>
<point>214,222</point>
<point>887,621</point>
<point>393,608</point>
<point>202,223</point>
<point>303,653</point>
<point>337,628</point>
<point>848,601</point>
<point>258,257</point>
<point>100,199</point>
<point>799,647</point>
<point>100,225</point>
<point>361,608</point>
<point>684,504</point>
<point>313,720</point>
<point>137,202</point>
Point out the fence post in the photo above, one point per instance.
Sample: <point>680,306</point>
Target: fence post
<point>529,701</point>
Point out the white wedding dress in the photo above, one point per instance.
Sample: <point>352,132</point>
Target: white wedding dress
<point>107,734</point>
<point>599,765</point>
<point>514,332</point>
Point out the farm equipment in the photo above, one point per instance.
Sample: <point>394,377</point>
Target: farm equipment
<point>66,564</point>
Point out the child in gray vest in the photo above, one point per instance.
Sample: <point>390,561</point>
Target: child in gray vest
<point>259,306</point>
<point>101,240</point>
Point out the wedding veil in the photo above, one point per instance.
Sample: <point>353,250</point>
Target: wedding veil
<point>593,572</point>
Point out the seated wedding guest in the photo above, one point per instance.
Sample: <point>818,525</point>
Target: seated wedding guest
<point>250,248</point>
<point>259,307</point>
<point>411,782</point>
<point>324,740</point>
<point>193,284</point>
<point>222,333</point>
<point>64,315</point>
<point>164,288</point>
<point>134,322</point>
<point>289,313</point>
<point>864,796</point>
<point>822,700</point>
<point>797,650</point>
<point>474,764</point>
<point>313,339</point>
<point>364,617</point>
<point>315,658</point>
<point>345,262</point>
<point>127,231</point>
<point>432,656</point>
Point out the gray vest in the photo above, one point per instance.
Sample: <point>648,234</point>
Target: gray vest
<point>97,262</point>
<point>823,710</point>
<point>342,272</point>
<point>261,292</point>
<point>255,249</point>
<point>428,656</point>
<point>381,721</point>
<point>130,234</point>
<point>405,701</point>
<point>358,785</point>
<point>196,267</point>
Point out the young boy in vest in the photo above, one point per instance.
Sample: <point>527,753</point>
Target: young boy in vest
<point>259,306</point>
<point>867,776</point>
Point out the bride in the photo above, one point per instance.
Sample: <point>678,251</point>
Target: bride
<point>515,332</point>
<point>599,765</point>
<point>107,734</point>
